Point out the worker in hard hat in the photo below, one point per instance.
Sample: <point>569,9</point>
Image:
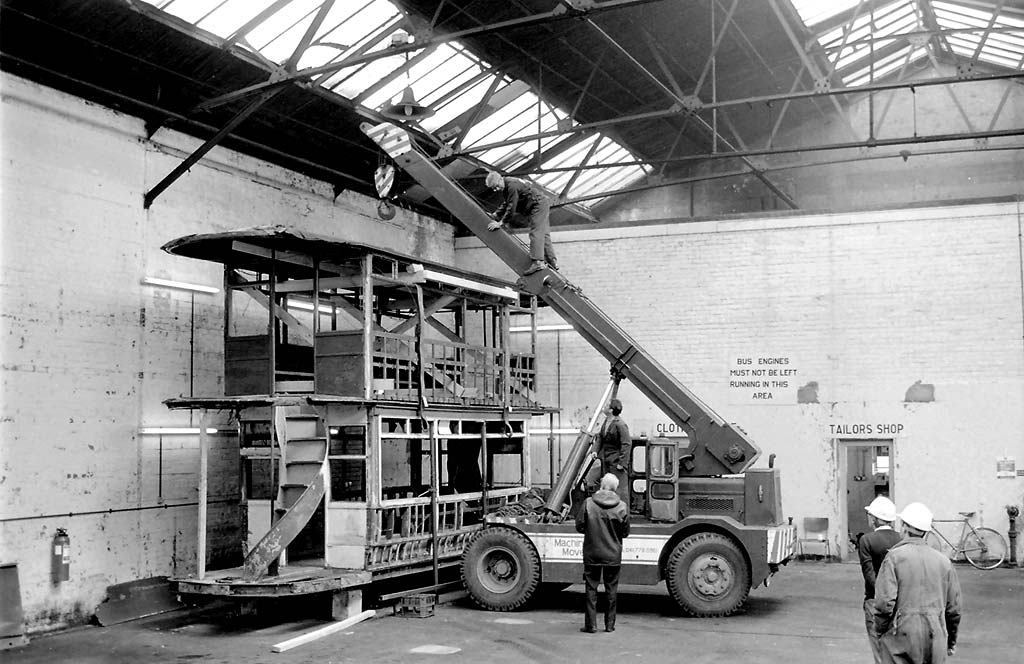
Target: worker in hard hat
<point>871,549</point>
<point>522,198</point>
<point>917,597</point>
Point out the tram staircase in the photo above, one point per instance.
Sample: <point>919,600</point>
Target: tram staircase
<point>301,488</point>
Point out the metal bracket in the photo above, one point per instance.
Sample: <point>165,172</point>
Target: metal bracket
<point>822,84</point>
<point>691,103</point>
<point>576,6</point>
<point>449,133</point>
<point>919,39</point>
<point>965,70</point>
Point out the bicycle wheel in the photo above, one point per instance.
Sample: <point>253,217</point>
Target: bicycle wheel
<point>984,548</point>
<point>933,540</point>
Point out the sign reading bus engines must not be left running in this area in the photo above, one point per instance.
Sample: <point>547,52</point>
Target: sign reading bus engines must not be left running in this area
<point>763,378</point>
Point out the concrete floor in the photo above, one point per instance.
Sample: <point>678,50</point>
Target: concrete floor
<point>811,614</point>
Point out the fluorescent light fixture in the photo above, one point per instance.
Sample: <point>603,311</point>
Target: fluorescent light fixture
<point>541,328</point>
<point>308,306</point>
<point>179,431</point>
<point>180,285</point>
<point>557,432</point>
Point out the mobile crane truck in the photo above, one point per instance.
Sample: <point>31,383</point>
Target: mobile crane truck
<point>702,518</point>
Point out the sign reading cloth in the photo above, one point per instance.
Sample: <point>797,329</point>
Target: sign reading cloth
<point>763,379</point>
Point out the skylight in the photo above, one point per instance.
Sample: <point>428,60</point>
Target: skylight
<point>852,34</point>
<point>474,104</point>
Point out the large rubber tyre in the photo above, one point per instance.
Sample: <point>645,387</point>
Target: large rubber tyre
<point>500,569</point>
<point>987,550</point>
<point>708,575</point>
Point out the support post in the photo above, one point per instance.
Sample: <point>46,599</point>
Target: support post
<point>346,603</point>
<point>1013,512</point>
<point>368,327</point>
<point>204,456</point>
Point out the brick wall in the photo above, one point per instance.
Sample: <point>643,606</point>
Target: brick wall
<point>89,353</point>
<point>863,305</point>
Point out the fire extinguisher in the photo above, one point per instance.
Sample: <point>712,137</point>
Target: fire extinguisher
<point>61,560</point>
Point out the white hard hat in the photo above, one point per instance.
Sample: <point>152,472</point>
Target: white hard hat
<point>917,516</point>
<point>882,508</point>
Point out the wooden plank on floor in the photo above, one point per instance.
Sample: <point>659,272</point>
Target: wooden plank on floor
<point>323,631</point>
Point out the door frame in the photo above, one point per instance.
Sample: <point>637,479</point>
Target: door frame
<point>843,445</point>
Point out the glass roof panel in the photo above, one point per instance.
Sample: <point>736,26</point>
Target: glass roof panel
<point>345,33</point>
<point>1000,47</point>
<point>816,11</point>
<point>572,154</point>
<point>450,79</point>
<point>449,110</point>
<point>885,66</point>
<point>971,20</point>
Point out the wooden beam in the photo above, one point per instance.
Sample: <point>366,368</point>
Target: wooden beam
<point>462,282</point>
<point>432,308</point>
<point>322,632</point>
<point>294,324</point>
<point>326,283</point>
<point>289,257</point>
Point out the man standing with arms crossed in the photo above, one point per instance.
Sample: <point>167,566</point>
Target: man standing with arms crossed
<point>871,549</point>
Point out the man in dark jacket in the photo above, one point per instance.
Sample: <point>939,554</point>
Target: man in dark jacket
<point>917,597</point>
<point>871,548</point>
<point>614,446</point>
<point>522,198</point>
<point>604,522</point>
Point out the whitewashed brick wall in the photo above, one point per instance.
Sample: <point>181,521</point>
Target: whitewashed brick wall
<point>865,305</point>
<point>89,353</point>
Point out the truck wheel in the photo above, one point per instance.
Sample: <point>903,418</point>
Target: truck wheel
<point>500,569</point>
<point>708,575</point>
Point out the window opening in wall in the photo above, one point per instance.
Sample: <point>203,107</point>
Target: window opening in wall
<point>505,454</point>
<point>258,479</point>
<point>346,457</point>
<point>258,484</point>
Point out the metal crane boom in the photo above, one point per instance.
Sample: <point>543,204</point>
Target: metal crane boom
<point>715,447</point>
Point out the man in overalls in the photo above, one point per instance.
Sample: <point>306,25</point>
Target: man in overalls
<point>522,198</point>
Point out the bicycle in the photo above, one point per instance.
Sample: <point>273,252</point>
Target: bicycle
<point>982,547</point>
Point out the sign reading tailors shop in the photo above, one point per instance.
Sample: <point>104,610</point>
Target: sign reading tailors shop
<point>763,378</point>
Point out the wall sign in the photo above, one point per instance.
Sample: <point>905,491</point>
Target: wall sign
<point>866,429</point>
<point>1006,466</point>
<point>763,378</point>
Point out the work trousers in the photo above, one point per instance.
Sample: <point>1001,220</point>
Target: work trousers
<point>869,622</point>
<point>541,248</point>
<point>592,575</point>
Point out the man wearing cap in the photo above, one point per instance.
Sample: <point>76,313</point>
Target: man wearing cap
<point>917,597</point>
<point>871,548</point>
<point>522,198</point>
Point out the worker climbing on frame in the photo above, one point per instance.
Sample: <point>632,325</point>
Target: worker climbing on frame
<point>523,198</point>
